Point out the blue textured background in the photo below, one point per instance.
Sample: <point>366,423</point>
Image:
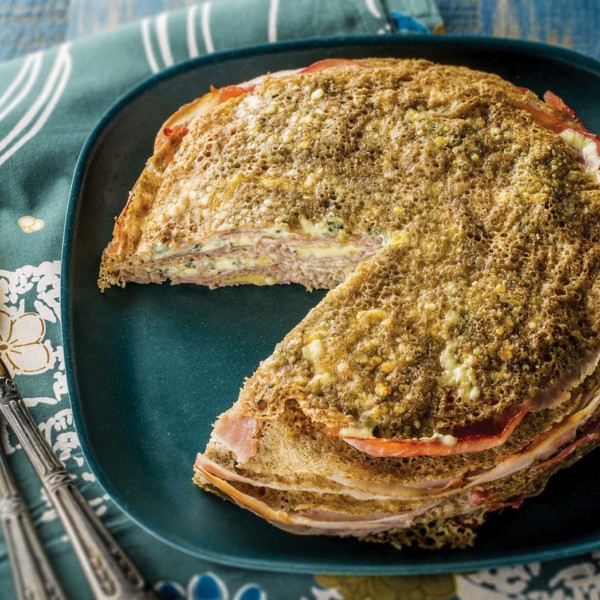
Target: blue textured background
<point>27,25</point>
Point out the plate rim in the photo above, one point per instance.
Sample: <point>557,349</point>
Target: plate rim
<point>95,136</point>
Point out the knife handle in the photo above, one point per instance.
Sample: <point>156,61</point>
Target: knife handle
<point>32,574</point>
<point>110,573</point>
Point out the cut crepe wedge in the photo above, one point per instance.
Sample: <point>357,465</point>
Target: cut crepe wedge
<point>364,422</point>
<point>306,482</point>
<point>299,175</point>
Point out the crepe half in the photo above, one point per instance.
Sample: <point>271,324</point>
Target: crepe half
<point>451,372</point>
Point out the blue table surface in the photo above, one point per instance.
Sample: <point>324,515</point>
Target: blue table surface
<point>28,25</point>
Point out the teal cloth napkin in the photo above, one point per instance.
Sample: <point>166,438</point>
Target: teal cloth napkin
<point>49,103</point>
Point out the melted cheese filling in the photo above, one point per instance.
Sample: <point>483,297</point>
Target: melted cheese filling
<point>231,262</point>
<point>225,254</point>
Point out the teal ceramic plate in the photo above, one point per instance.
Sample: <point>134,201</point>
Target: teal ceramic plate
<point>150,367</point>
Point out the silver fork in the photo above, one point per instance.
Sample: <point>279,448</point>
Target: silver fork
<point>32,573</point>
<point>110,573</point>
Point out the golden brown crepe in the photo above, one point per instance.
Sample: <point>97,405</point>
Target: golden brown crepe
<point>455,368</point>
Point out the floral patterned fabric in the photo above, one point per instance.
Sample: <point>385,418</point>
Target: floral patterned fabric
<point>49,102</point>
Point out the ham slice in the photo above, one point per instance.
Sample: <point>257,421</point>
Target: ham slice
<point>545,446</point>
<point>480,497</point>
<point>321,522</point>
<point>364,491</point>
<point>408,490</point>
<point>590,436</point>
<point>237,432</point>
<point>333,63</point>
<point>206,464</point>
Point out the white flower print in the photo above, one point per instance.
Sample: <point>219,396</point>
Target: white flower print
<point>21,344</point>
<point>29,344</point>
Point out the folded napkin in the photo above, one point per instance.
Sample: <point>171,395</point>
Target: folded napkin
<point>49,102</point>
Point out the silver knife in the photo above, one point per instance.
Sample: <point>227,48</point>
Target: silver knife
<point>110,573</point>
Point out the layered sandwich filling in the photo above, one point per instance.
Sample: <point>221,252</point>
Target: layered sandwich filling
<point>262,257</point>
<point>371,507</point>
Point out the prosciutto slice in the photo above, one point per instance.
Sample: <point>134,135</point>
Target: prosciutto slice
<point>591,435</point>
<point>481,436</point>
<point>204,463</point>
<point>333,63</point>
<point>560,118</point>
<point>356,489</point>
<point>545,446</point>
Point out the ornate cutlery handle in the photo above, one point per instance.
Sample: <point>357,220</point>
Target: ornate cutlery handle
<point>110,573</point>
<point>32,574</point>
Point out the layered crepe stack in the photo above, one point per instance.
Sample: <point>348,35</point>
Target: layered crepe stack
<point>451,372</point>
<point>390,413</point>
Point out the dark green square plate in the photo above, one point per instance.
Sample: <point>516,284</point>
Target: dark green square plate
<point>150,367</point>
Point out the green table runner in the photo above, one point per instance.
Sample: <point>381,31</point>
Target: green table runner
<point>49,102</point>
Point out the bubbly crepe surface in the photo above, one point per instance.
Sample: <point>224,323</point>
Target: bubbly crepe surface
<point>472,210</point>
<point>355,151</point>
<point>456,323</point>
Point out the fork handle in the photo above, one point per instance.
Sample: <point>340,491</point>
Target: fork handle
<point>110,573</point>
<point>32,574</point>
